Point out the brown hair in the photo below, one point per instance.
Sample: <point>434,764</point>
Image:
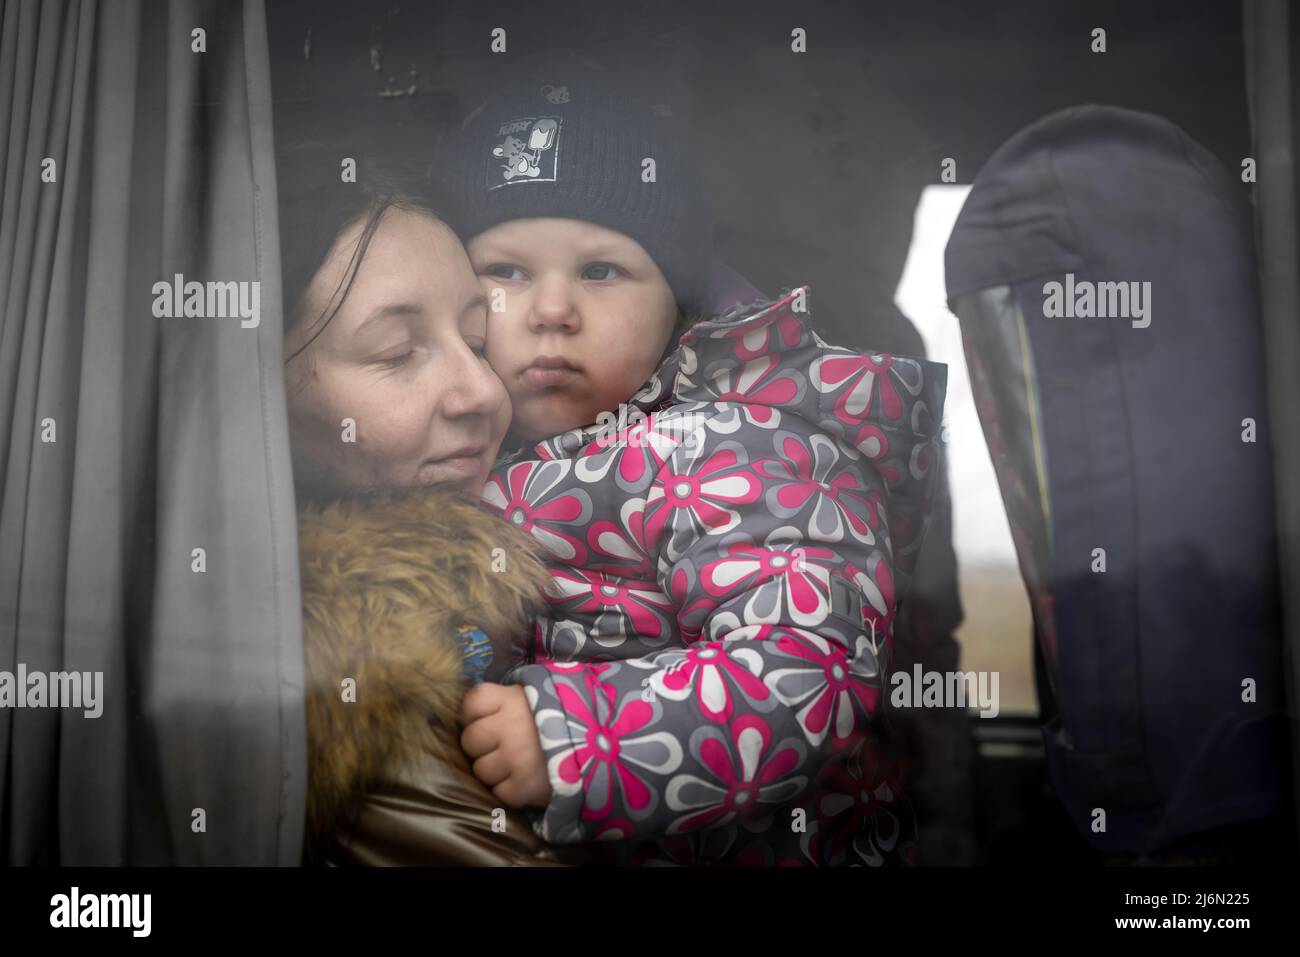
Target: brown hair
<point>372,207</point>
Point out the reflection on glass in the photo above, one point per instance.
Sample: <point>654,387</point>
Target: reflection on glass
<point>997,633</point>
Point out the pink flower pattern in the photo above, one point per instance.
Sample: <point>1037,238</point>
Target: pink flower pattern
<point>713,675</point>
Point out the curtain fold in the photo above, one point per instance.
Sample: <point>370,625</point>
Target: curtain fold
<point>147,527</point>
<point>1272,74</point>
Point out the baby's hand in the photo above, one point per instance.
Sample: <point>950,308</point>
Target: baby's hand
<point>500,737</point>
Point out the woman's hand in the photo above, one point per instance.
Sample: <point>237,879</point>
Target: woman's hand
<point>500,737</point>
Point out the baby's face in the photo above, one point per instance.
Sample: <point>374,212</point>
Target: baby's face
<point>578,317</point>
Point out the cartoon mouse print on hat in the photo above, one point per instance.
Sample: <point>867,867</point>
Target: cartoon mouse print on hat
<point>534,158</point>
<point>556,94</point>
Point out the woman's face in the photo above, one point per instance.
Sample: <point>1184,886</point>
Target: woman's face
<point>395,391</point>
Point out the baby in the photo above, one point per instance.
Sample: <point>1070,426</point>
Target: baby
<point>730,509</point>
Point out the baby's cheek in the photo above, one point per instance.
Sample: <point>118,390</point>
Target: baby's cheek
<point>496,347</point>
<point>503,314</point>
<point>499,366</point>
<point>624,379</point>
<point>505,412</point>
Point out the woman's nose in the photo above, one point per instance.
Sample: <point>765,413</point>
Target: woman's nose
<point>552,306</point>
<point>472,388</point>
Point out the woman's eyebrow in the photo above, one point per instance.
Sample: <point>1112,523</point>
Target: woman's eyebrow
<point>395,309</point>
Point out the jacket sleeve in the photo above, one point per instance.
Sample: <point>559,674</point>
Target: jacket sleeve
<point>430,811</point>
<point>771,539</point>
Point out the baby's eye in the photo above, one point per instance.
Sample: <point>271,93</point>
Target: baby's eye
<point>600,271</point>
<point>504,271</point>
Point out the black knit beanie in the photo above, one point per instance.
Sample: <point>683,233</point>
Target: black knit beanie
<point>570,142</point>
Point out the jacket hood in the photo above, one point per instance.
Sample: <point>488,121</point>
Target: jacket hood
<point>889,407</point>
<point>728,359</point>
<point>386,581</point>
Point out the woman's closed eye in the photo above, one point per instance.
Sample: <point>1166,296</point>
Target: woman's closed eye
<point>394,358</point>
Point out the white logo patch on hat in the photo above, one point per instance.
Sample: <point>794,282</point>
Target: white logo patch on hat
<point>527,151</point>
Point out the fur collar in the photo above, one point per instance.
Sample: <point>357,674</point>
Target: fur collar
<point>385,582</point>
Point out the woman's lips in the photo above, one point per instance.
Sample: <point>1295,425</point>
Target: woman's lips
<point>461,466</point>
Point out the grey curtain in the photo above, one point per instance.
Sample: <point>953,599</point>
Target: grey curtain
<point>1272,78</point>
<point>169,435</point>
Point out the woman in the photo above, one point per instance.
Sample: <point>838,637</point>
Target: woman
<point>395,419</point>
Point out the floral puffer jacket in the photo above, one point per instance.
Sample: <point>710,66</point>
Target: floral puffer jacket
<point>727,557</point>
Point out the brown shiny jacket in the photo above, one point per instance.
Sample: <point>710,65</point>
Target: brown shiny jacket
<point>386,580</point>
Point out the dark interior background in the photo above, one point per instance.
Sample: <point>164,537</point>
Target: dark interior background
<point>816,160</point>
<point>815,164</point>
